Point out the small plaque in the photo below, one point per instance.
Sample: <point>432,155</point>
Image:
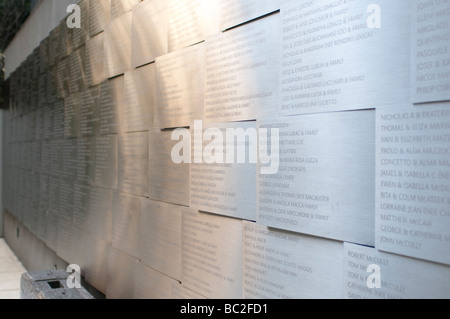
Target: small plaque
<point>371,274</point>
<point>283,265</point>
<point>430,51</point>
<point>413,174</point>
<point>235,60</point>
<point>179,87</point>
<point>211,266</point>
<point>106,161</point>
<point>111,105</point>
<point>325,184</point>
<point>118,46</point>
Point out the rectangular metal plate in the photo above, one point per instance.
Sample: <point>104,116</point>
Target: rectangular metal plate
<point>160,237</point>
<point>90,111</point>
<point>401,277</point>
<point>325,185</point>
<point>72,115</point>
<point>118,46</point>
<point>413,170</point>
<point>430,47</point>
<point>99,216</point>
<point>86,160</point>
<point>95,73</point>
<point>168,182</point>
<point>81,35</point>
<point>225,188</point>
<point>77,70</point>
<point>95,270</point>
<point>179,87</point>
<point>140,91</point>
<point>151,284</point>
<point>120,7</point>
<point>283,265</point>
<point>192,21</point>
<point>62,81</point>
<point>337,57</point>
<point>149,32</point>
<point>133,163</point>
<point>106,161</point>
<point>120,273</point>
<point>242,76</point>
<point>125,222</point>
<point>111,105</point>
<point>69,158</point>
<point>211,266</point>
<point>99,16</point>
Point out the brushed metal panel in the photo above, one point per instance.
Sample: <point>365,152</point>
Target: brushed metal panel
<point>401,277</point>
<point>51,87</point>
<point>151,284</point>
<point>106,161</point>
<point>120,274</point>
<point>111,105</point>
<point>81,35</point>
<point>149,32</point>
<point>222,188</point>
<point>90,112</point>
<point>69,159</point>
<point>44,55</point>
<point>72,115</point>
<point>180,292</point>
<point>211,266</point>
<point>160,237</point>
<point>62,72</point>
<point>430,46</point>
<point>242,76</point>
<point>42,93</point>
<point>86,160</point>
<point>334,58</point>
<point>133,163</point>
<point>120,7</point>
<point>179,87</point>
<point>168,182</point>
<point>192,21</point>
<point>99,217</point>
<point>58,119</point>
<point>77,70</point>
<point>125,223</point>
<point>95,270</point>
<point>95,73</point>
<point>325,185</point>
<point>55,157</point>
<point>118,46</point>
<point>64,219</point>
<point>78,229</point>
<point>140,94</point>
<point>283,265</point>
<point>54,46</point>
<point>99,16</point>
<point>66,39</point>
<point>412,194</point>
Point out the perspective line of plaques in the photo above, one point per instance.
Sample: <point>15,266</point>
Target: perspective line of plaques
<point>359,93</point>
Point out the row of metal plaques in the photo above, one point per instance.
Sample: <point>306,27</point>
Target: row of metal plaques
<point>356,91</point>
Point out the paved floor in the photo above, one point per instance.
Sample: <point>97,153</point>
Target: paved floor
<point>10,271</point>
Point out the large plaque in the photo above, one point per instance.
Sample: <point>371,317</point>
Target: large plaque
<point>192,21</point>
<point>371,274</point>
<point>133,163</point>
<point>283,265</point>
<point>149,32</point>
<point>211,266</point>
<point>99,16</point>
<point>242,77</point>
<point>225,186</point>
<point>140,90</point>
<point>90,111</point>
<point>344,55</point>
<point>125,223</point>
<point>325,184</point>
<point>94,60</point>
<point>118,46</point>
<point>106,161</point>
<point>160,237</point>
<point>168,181</point>
<point>430,47</point>
<point>179,87</point>
<point>413,175</point>
<point>111,105</point>
<point>72,115</point>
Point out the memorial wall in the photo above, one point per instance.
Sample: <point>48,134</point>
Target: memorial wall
<point>335,183</point>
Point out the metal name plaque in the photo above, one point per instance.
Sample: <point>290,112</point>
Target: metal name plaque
<point>120,7</point>
<point>222,188</point>
<point>430,51</point>
<point>81,35</point>
<point>151,284</point>
<point>235,12</point>
<point>371,274</point>
<point>95,270</point>
<point>325,184</point>
<point>99,215</point>
<point>125,222</point>
<point>413,174</point>
<point>90,111</point>
<point>344,55</point>
<point>106,161</point>
<point>168,181</point>
<point>149,32</point>
<point>118,46</point>
<point>77,70</point>
<point>140,87</point>
<point>72,115</point>
<point>242,76</point>
<point>133,163</point>
<point>211,255</point>
<point>160,237</point>
<point>120,269</point>
<point>111,105</point>
<point>180,87</point>
<point>99,16</point>
<point>94,60</point>
<point>283,265</point>
<point>192,21</point>
<point>85,160</point>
